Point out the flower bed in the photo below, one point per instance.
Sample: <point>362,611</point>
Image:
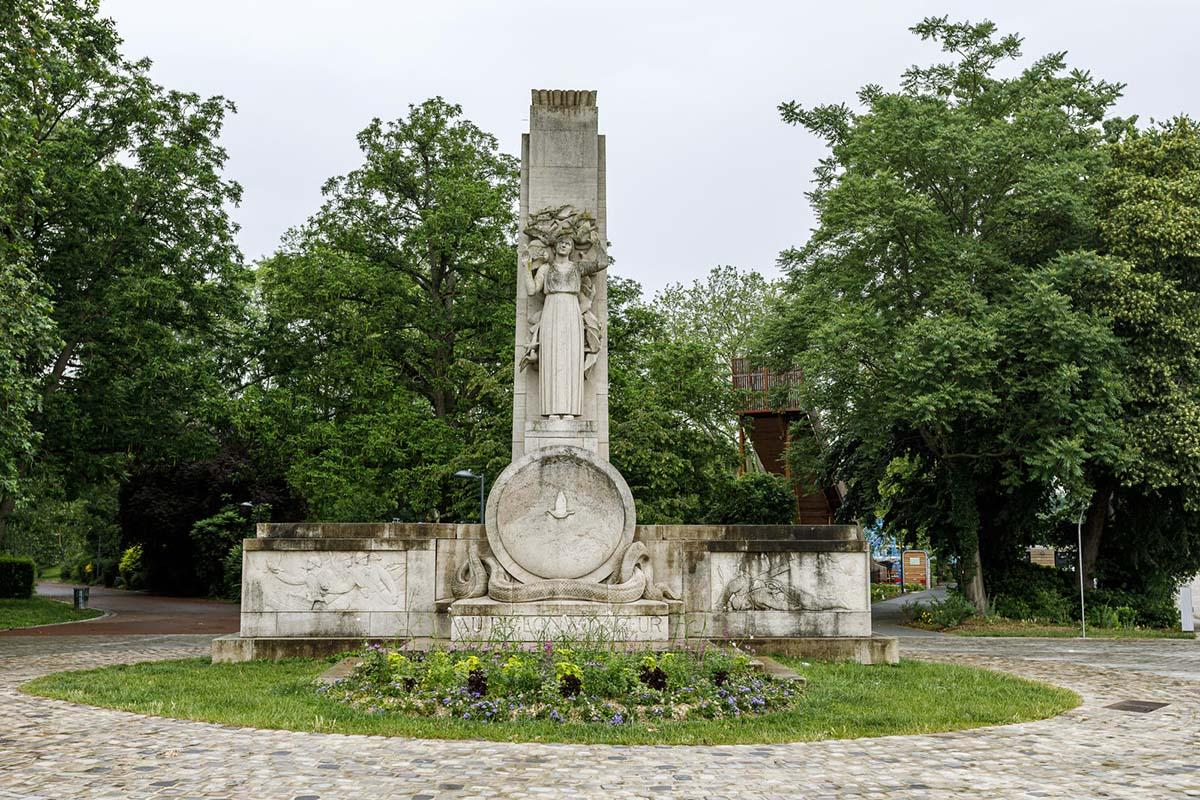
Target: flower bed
<point>562,683</point>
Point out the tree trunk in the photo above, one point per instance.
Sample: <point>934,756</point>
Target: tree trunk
<point>1093,529</point>
<point>7,503</point>
<point>973,586</point>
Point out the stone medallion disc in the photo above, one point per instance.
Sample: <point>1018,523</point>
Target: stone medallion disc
<point>560,512</point>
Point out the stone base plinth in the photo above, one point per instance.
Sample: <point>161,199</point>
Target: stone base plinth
<point>863,649</point>
<point>574,432</point>
<point>236,648</point>
<point>483,619</point>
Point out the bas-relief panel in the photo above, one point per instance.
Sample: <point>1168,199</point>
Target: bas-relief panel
<point>787,581</point>
<point>330,581</point>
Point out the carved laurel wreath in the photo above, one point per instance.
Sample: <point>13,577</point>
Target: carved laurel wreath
<point>544,229</point>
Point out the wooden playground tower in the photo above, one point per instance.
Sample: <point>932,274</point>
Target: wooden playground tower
<point>770,410</point>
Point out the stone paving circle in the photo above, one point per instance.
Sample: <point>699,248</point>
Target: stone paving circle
<point>53,749</point>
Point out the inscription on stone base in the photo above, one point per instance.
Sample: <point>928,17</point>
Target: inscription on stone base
<point>482,620</point>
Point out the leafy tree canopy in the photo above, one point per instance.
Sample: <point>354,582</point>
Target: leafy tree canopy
<point>939,310</point>
<point>384,355</point>
<point>118,257</point>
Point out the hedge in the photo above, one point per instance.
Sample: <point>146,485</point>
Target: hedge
<point>17,574</point>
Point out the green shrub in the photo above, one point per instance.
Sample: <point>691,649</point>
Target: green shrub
<point>1103,616</point>
<point>1023,579</point>
<point>130,567</point>
<point>106,571</point>
<point>212,539</point>
<point>951,612</point>
<point>233,573</point>
<point>1153,608</point>
<point>1009,607</point>
<point>17,577</point>
<point>754,499</point>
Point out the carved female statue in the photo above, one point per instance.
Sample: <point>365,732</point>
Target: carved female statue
<point>561,329</point>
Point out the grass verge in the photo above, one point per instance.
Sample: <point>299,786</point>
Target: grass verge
<point>995,626</point>
<point>40,611</point>
<point>841,701</point>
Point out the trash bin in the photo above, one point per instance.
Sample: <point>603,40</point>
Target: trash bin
<point>81,597</point>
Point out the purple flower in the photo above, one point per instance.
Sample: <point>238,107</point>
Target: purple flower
<point>617,720</point>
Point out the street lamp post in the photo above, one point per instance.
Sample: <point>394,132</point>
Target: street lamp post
<point>1082,609</point>
<point>466,473</point>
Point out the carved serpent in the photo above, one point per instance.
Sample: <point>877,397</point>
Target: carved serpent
<point>634,581</point>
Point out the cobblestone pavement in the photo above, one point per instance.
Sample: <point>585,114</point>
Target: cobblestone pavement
<point>51,749</point>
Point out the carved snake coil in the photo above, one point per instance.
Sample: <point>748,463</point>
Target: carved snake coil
<point>633,581</point>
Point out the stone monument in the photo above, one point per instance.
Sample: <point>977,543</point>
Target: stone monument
<point>560,519</point>
<point>561,550</point>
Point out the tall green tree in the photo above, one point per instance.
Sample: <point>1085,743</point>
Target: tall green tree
<point>725,310</point>
<point>1148,204</point>
<point>385,356</point>
<point>115,217</point>
<point>670,404</point>
<point>959,372</point>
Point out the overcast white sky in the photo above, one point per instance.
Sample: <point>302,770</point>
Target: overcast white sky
<point>700,169</point>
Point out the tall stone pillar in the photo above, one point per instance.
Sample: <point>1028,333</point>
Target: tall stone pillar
<point>562,164</point>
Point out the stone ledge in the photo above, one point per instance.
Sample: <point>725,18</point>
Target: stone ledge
<point>234,648</point>
<point>425,531</point>
<point>748,532</point>
<point>368,530</point>
<point>862,649</point>
<point>779,546</point>
<point>336,544</point>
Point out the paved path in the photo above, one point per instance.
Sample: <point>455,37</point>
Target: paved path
<point>51,749</point>
<point>137,613</point>
<point>887,619</point>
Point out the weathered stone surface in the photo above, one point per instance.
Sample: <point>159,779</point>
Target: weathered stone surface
<point>325,581</point>
<point>863,649</point>
<point>789,581</point>
<point>818,571</point>
<point>562,163</point>
<point>482,619</point>
<point>560,513</point>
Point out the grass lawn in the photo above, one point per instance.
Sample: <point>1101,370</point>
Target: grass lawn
<point>841,701</point>
<point>996,626</point>
<point>40,611</point>
<point>51,574</point>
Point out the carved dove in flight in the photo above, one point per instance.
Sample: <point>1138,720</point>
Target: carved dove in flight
<point>560,510</point>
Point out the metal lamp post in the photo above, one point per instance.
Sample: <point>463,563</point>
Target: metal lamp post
<point>466,473</point>
<point>1082,609</point>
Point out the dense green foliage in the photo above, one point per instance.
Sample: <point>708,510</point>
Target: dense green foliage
<point>1143,525</point>
<point>671,405</point>
<point>754,499</point>
<point>841,700</point>
<point>384,355</point>
<point>118,252</point>
<point>965,318</point>
<point>17,577</point>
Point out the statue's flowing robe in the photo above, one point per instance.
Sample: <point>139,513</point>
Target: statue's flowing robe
<point>561,350</point>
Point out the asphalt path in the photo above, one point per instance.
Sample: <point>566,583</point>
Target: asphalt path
<point>137,613</point>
